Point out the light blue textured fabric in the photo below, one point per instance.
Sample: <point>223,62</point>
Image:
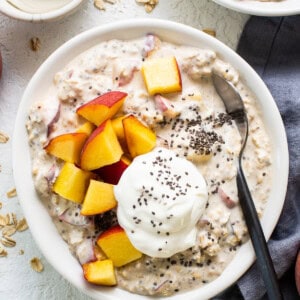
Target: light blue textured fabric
<point>272,47</point>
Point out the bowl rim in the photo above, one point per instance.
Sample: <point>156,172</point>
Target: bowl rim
<point>22,162</point>
<point>11,11</point>
<point>268,9</point>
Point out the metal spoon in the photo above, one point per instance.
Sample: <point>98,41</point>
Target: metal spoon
<point>235,108</point>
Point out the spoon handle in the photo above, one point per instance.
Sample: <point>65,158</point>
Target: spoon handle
<point>264,260</point>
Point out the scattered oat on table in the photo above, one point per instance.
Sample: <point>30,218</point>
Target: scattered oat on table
<point>3,252</point>
<point>21,252</point>
<point>22,225</point>
<point>100,4</point>
<point>11,219</point>
<point>3,220</point>
<point>36,265</point>
<point>11,193</point>
<point>7,241</point>
<point>209,31</point>
<point>0,205</point>
<point>148,4</point>
<point>9,225</point>
<point>3,137</point>
<point>35,44</point>
<point>9,230</point>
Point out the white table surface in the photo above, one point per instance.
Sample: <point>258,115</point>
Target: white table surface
<point>17,279</point>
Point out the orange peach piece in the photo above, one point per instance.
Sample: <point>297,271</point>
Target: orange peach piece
<point>140,139</point>
<point>67,146</point>
<point>102,108</point>
<point>99,198</point>
<point>100,272</point>
<point>162,75</point>
<point>86,128</point>
<point>101,149</point>
<point>112,173</point>
<point>72,183</point>
<point>118,128</point>
<point>117,246</point>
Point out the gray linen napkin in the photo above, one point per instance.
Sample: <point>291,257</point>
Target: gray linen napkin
<point>272,47</point>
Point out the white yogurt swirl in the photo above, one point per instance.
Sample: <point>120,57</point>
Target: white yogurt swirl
<point>160,199</point>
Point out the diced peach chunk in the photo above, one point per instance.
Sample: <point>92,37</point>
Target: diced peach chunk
<point>67,146</point>
<point>86,128</point>
<point>72,183</point>
<point>162,75</point>
<point>140,139</point>
<point>102,108</point>
<point>100,272</point>
<point>101,149</point>
<point>99,198</point>
<point>116,245</point>
<point>117,125</point>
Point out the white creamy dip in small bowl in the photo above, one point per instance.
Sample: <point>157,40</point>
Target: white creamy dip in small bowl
<point>38,11</point>
<point>43,229</point>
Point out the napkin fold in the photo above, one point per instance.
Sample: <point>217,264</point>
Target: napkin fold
<point>272,47</point>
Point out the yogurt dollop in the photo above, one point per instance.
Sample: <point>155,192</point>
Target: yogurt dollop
<point>160,199</point>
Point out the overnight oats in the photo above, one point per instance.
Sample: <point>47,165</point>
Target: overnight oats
<point>134,156</point>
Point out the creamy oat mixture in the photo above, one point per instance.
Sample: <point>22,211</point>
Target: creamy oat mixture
<point>196,127</point>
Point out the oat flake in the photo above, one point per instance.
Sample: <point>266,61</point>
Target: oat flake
<point>148,4</point>
<point>8,241</point>
<point>11,219</point>
<point>21,252</point>
<point>11,193</point>
<point>9,230</point>
<point>3,252</point>
<point>3,220</point>
<point>35,44</point>
<point>36,265</point>
<point>209,31</point>
<point>3,137</point>
<point>99,4</point>
<point>22,225</point>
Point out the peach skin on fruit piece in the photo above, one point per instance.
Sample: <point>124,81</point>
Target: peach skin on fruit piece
<point>72,183</point>
<point>102,108</point>
<point>67,146</point>
<point>100,272</point>
<point>101,149</point>
<point>140,139</point>
<point>112,173</point>
<point>117,246</point>
<point>98,199</point>
<point>162,75</point>
<point>86,128</point>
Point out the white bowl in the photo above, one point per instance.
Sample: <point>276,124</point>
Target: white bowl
<point>258,8</point>
<point>11,11</point>
<point>51,244</point>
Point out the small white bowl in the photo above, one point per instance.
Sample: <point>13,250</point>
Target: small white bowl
<point>43,230</point>
<point>11,11</point>
<point>261,8</point>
